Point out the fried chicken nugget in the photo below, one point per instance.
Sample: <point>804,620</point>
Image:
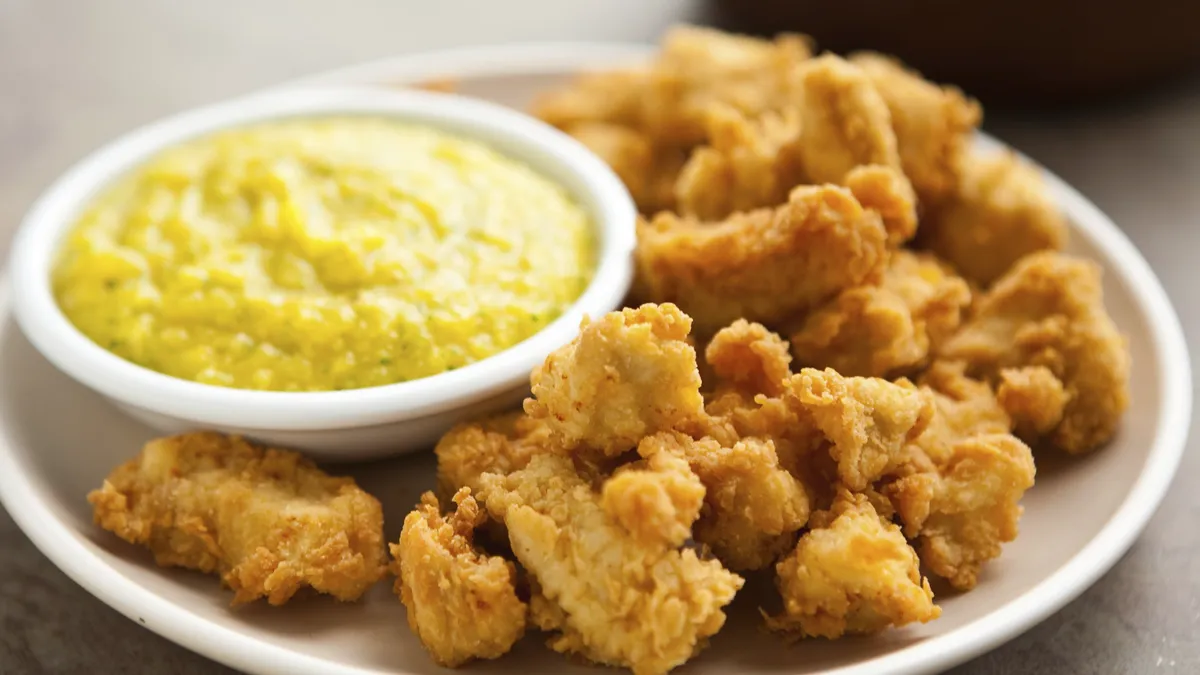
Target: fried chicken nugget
<point>845,122</point>
<point>614,594</point>
<point>763,265</point>
<point>962,504</point>
<point>887,191</point>
<point>657,497</point>
<point>999,213</point>
<point>1034,398</point>
<point>852,573</point>
<point>700,68</point>
<point>461,603</point>
<point>1049,311</point>
<point>933,124</point>
<point>627,375</point>
<point>695,69</point>
<point>747,164</point>
<point>826,430</point>
<point>648,169</point>
<point>889,329</point>
<point>963,408</point>
<point>500,444</point>
<point>753,506</point>
<point>866,420</point>
<point>268,521</point>
<point>750,357</point>
<point>972,505</point>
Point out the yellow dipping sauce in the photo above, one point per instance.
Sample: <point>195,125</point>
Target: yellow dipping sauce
<point>323,254</point>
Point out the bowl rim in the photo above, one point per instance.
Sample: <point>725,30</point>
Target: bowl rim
<point>513,133</point>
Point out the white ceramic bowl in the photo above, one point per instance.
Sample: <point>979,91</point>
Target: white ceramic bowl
<point>351,424</point>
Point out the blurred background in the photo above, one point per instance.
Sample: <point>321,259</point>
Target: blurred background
<point>1105,93</point>
<point>1018,53</point>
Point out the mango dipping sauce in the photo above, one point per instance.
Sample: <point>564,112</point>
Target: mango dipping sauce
<point>323,254</point>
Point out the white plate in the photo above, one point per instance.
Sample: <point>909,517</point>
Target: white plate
<point>57,441</point>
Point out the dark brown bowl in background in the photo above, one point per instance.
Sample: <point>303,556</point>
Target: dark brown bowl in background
<point>1005,52</point>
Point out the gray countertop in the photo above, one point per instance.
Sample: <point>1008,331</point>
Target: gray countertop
<point>74,74</point>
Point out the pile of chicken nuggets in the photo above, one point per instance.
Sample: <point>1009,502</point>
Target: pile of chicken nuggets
<point>850,329</point>
<point>849,332</point>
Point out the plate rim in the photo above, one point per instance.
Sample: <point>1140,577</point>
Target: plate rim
<point>20,490</point>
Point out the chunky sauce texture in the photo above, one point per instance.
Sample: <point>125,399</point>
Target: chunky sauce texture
<point>323,254</point>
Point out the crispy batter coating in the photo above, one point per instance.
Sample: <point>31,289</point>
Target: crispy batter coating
<point>827,430</point>
<point>267,521</point>
<point>614,596</point>
<point>763,265</point>
<point>958,492</point>
<point>853,573</point>
<point>886,190</point>
<point>646,121</point>
<point>699,68</point>
<point>964,407</point>
<point>1034,398</point>
<point>933,124</point>
<point>753,506</point>
<point>500,444</point>
<point>627,375</point>
<point>844,120</point>
<point>975,506</point>
<point>696,69</point>
<point>999,213</point>
<point>867,421</point>
<point>461,603</point>
<point>750,357</point>
<point>888,329</point>
<point>644,168</point>
<point>747,164</point>
<point>733,415</point>
<point>1049,311</point>
<point>968,507</point>
<point>648,168</point>
<point>658,497</point>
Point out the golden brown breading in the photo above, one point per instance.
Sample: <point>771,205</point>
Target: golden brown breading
<point>867,421</point>
<point>648,169</point>
<point>627,375</point>
<point>747,164</point>
<point>461,603</point>
<point>699,68</point>
<point>933,124</point>
<point>964,407</point>
<point>657,497</point>
<point>500,444</point>
<point>621,599</point>
<point>884,330</point>
<point>827,430</point>
<point>753,506</point>
<point>845,122</point>
<point>1049,311</point>
<point>749,357</point>
<point>886,190</point>
<point>614,97</point>
<point>666,108</point>
<point>853,573</point>
<point>1000,212</point>
<point>966,509</point>
<point>1033,397</point>
<point>763,265</point>
<point>268,521</point>
<point>957,491</point>
<point>696,69</point>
